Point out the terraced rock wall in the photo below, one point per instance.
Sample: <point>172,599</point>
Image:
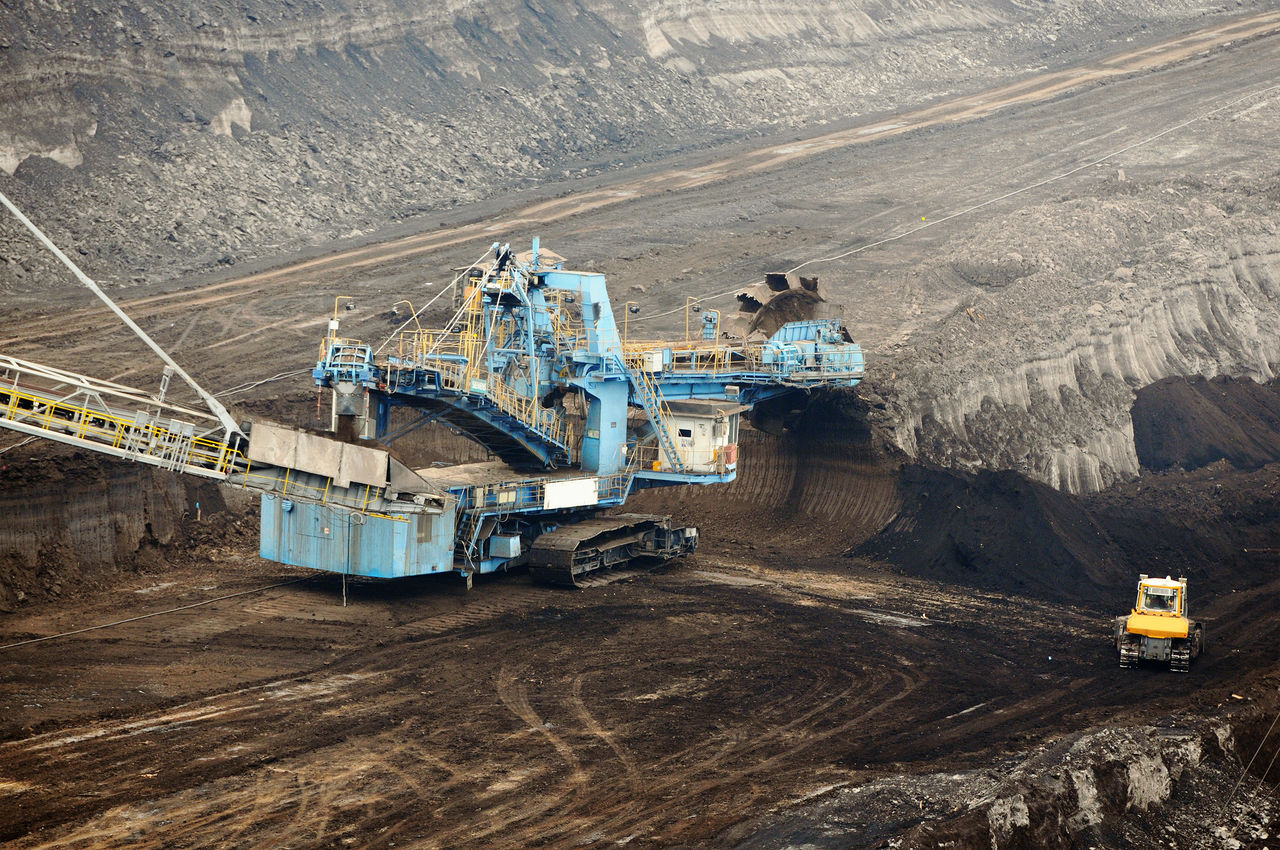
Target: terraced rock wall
<point>1037,371</point>
<point>161,138</point>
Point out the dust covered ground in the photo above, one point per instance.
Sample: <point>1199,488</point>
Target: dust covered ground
<point>872,648</point>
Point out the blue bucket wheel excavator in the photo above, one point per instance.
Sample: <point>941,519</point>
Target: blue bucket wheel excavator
<point>531,366</point>
<point>577,416</point>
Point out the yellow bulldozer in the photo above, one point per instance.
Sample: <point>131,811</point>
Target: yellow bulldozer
<point>1158,628</point>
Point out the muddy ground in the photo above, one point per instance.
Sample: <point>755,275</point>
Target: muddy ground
<point>778,688</point>
<point>874,647</point>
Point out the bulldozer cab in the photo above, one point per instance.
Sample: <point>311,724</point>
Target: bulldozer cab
<point>1160,596</point>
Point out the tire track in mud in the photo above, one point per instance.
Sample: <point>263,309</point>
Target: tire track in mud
<point>719,774</point>
<point>257,708</point>
<point>592,725</point>
<point>188,726</point>
<point>515,696</point>
<point>191,736</point>
<point>720,769</point>
<point>770,753</point>
<point>477,728</point>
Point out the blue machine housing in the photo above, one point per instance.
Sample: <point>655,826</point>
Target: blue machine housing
<point>345,541</point>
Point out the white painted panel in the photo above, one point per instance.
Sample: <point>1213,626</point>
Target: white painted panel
<point>573,493</point>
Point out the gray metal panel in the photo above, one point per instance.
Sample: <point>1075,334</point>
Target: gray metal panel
<point>319,455</point>
<point>342,462</point>
<point>274,445</point>
<point>364,465</point>
<point>405,480</point>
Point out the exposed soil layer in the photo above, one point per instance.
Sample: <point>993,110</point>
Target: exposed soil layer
<point>73,521</point>
<point>822,484</point>
<point>999,531</point>
<point>1215,521</point>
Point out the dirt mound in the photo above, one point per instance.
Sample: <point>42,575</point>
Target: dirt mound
<point>1211,511</point>
<point>1215,525</point>
<point>999,531</point>
<point>1192,422</point>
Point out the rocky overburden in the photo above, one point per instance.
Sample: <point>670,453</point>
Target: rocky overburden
<point>164,138</point>
<point>1167,784</point>
<point>1067,308</point>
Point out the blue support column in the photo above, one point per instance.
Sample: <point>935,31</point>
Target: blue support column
<point>605,440</point>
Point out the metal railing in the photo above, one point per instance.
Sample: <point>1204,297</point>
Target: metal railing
<point>549,422</point>
<point>75,410</point>
<point>463,378</point>
<point>523,495</point>
<point>717,460</point>
<point>715,359</point>
<point>74,413</point>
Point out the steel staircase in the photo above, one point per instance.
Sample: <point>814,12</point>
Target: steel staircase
<point>510,424</point>
<point>649,395</point>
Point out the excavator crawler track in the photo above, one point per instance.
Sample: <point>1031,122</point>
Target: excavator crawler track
<point>563,557</point>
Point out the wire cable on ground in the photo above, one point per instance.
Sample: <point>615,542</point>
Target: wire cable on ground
<point>155,613</point>
<point>1263,780</point>
<point>967,210</point>
<point>246,387</point>
<point>1245,771</point>
<point>18,444</point>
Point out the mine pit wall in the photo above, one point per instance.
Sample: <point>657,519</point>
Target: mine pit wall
<point>823,484</point>
<point>1061,416</point>
<point>73,521</point>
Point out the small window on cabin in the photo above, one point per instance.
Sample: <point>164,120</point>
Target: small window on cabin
<point>687,433</point>
<point>1160,599</point>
